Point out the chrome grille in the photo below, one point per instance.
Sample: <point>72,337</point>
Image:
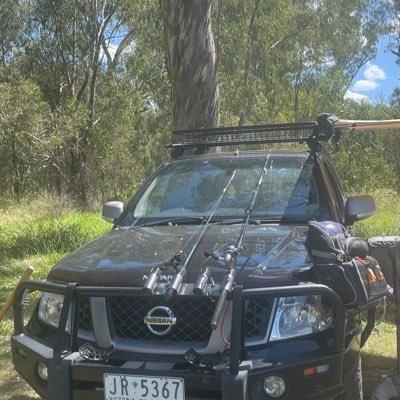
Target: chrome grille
<point>193,315</point>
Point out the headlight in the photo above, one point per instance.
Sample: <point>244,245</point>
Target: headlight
<point>50,307</point>
<point>299,316</point>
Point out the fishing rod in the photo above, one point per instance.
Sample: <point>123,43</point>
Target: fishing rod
<point>231,253</point>
<point>177,281</point>
<point>177,259</point>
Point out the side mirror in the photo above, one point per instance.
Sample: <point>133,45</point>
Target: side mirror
<point>358,208</point>
<point>112,210</point>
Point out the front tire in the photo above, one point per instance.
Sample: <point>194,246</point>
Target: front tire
<point>353,389</point>
<point>353,386</point>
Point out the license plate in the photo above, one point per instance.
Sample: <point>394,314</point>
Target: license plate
<point>132,387</point>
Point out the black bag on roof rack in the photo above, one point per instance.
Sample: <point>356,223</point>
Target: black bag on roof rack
<point>342,263</point>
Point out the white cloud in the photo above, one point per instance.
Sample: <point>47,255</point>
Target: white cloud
<point>364,85</point>
<point>374,73</point>
<point>359,98</point>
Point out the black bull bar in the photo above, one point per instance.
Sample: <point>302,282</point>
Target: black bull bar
<point>72,291</point>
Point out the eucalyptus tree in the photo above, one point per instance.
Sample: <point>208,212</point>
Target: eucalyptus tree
<point>191,63</point>
<point>281,60</point>
<point>23,138</point>
<point>74,46</point>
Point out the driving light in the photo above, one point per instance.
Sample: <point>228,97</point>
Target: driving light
<point>299,316</point>
<point>42,371</point>
<point>50,307</point>
<point>274,386</point>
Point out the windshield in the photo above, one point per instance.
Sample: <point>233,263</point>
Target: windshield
<point>191,188</point>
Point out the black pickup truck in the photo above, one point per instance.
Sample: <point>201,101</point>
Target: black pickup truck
<point>200,290</point>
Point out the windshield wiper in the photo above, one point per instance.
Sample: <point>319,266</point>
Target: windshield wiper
<point>252,221</point>
<point>172,221</point>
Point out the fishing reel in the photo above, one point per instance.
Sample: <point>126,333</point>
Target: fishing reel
<point>228,256</point>
<point>151,281</point>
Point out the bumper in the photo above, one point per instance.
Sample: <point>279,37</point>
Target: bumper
<point>77,379</point>
<point>70,377</point>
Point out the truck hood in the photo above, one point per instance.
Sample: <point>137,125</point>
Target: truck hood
<point>272,255</point>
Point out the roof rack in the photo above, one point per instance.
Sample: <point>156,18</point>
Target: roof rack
<point>253,134</point>
<point>326,127</point>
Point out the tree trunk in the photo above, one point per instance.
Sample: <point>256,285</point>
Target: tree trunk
<point>192,63</point>
<point>246,77</point>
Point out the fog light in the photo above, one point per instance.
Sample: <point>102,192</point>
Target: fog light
<point>321,369</point>
<point>274,386</point>
<point>42,371</point>
<point>21,353</point>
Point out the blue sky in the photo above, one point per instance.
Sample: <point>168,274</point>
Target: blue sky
<point>378,78</point>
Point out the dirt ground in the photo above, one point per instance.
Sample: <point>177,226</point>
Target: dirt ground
<point>12,387</point>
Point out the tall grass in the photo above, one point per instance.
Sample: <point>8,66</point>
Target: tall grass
<point>40,233</point>
<point>62,234</point>
<point>42,207</point>
<point>387,221</point>
<point>46,225</point>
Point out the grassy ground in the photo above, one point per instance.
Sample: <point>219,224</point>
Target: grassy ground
<point>41,232</point>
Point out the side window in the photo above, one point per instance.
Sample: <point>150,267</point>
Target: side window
<point>337,190</point>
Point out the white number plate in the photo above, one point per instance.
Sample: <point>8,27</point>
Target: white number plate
<point>132,387</point>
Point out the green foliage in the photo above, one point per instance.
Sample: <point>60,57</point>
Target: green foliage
<point>97,113</point>
<point>387,220</point>
<point>289,61</point>
<point>22,134</point>
<point>367,160</point>
<point>85,104</point>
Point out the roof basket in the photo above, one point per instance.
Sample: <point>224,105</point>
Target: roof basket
<point>254,134</point>
<point>326,127</point>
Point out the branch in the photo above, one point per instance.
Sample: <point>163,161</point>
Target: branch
<point>83,87</point>
<point>107,53</point>
<point>290,35</point>
<point>357,70</point>
<point>125,42</point>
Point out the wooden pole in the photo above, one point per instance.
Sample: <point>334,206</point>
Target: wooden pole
<point>27,273</point>
<point>359,125</point>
